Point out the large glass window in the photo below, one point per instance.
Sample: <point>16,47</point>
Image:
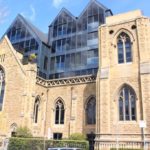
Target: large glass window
<point>52,64</point>
<point>79,49</point>
<point>127,104</point>
<point>124,48</point>
<point>93,35</point>
<point>64,25</point>
<point>45,62</point>
<point>92,57</point>
<point>67,62</point>
<point>57,136</point>
<point>91,111</point>
<point>60,63</point>
<point>62,29</point>
<point>59,112</point>
<point>78,59</point>
<point>2,87</point>
<point>21,39</point>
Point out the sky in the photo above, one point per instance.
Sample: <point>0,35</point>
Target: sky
<point>42,12</point>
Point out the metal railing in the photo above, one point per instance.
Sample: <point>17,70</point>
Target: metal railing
<point>124,145</point>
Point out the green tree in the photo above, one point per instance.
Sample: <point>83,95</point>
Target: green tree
<point>32,57</point>
<point>23,132</point>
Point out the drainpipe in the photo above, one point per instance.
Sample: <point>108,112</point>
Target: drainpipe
<point>45,117</point>
<point>69,133</point>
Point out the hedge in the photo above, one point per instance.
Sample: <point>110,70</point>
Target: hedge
<point>38,144</point>
<point>77,136</point>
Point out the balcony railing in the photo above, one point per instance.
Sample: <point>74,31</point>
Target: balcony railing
<point>92,42</point>
<point>93,26</point>
<point>122,145</point>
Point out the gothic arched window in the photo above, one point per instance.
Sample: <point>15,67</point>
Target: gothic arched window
<point>127,104</point>
<point>59,112</point>
<point>13,129</point>
<point>124,48</point>
<point>36,110</point>
<point>2,87</point>
<point>91,111</point>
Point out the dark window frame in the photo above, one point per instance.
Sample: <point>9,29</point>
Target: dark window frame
<point>90,111</point>
<point>45,65</point>
<point>59,112</point>
<point>36,110</point>
<point>124,46</point>
<point>127,104</point>
<point>2,87</point>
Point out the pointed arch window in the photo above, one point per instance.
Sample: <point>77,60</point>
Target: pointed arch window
<point>36,110</point>
<point>2,87</point>
<point>91,111</point>
<point>59,112</point>
<point>127,104</point>
<point>124,48</point>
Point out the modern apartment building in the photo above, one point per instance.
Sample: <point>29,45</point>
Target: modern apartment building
<point>91,76</point>
<point>71,46</point>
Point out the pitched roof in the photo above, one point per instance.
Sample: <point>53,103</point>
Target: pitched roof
<point>5,38</point>
<point>42,36</point>
<point>66,11</point>
<point>69,13</point>
<point>39,34</point>
<point>93,1</point>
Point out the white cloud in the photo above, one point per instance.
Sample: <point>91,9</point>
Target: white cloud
<point>4,12</point>
<point>57,3</point>
<point>31,15</point>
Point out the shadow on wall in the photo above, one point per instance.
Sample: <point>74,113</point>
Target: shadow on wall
<point>89,111</point>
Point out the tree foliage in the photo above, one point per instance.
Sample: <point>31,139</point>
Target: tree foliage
<point>23,132</point>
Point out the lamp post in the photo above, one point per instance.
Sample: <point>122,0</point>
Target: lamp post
<point>142,125</point>
<point>117,138</point>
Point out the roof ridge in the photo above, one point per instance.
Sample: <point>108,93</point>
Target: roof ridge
<point>91,1</point>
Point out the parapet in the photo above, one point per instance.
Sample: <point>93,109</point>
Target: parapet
<point>124,17</point>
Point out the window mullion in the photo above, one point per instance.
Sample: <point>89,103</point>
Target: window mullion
<point>59,119</point>
<point>124,109</point>
<point>1,82</point>
<point>130,114</point>
<point>124,51</point>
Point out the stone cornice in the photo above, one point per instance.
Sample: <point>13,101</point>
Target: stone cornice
<point>65,81</point>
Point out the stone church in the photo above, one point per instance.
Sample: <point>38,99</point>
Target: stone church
<point>89,75</point>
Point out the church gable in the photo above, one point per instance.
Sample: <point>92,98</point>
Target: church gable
<point>14,81</point>
<point>25,37</point>
<point>9,58</point>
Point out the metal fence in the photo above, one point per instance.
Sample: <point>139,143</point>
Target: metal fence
<point>125,145</point>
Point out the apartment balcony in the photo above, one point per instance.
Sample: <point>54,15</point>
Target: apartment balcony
<point>93,26</point>
<point>92,62</point>
<point>92,42</point>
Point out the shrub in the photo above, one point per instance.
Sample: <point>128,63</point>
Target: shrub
<point>37,144</point>
<point>77,136</point>
<point>32,57</point>
<point>23,132</point>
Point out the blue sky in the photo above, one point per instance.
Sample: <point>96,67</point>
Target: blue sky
<point>42,12</point>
